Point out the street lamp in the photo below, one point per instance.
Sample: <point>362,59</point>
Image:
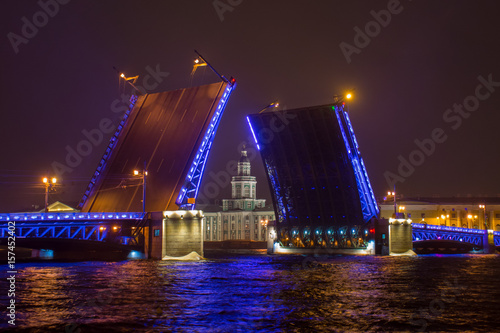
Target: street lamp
<point>142,174</point>
<point>48,185</point>
<point>272,105</point>
<point>483,207</point>
<point>264,226</point>
<point>339,99</point>
<point>393,194</point>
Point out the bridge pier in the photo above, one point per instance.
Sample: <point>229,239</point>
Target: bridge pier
<point>174,234</point>
<point>400,237</point>
<point>489,242</point>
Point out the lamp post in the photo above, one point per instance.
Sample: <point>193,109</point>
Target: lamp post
<point>264,226</point>
<point>48,185</point>
<point>483,207</point>
<point>143,175</point>
<point>393,194</point>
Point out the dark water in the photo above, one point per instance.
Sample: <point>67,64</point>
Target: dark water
<point>261,293</point>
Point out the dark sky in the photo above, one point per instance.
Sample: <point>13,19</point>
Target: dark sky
<point>427,58</point>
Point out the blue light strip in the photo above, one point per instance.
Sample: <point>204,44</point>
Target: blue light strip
<point>112,143</point>
<point>278,196</point>
<point>253,133</point>
<point>446,228</point>
<point>366,196</point>
<point>195,174</point>
<point>77,216</point>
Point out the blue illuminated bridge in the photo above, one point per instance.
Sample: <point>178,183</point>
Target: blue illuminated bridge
<point>77,232</point>
<point>121,231</point>
<point>320,188</point>
<point>428,237</point>
<point>168,137</point>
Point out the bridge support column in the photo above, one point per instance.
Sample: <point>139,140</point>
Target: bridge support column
<point>400,237</point>
<point>489,242</point>
<point>271,236</point>
<point>182,233</point>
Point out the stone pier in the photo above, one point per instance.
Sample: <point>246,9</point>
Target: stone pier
<point>400,237</point>
<point>174,234</point>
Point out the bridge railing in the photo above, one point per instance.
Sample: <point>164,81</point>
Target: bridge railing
<point>449,229</point>
<point>73,216</point>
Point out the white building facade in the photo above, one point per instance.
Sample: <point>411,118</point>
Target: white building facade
<point>243,217</point>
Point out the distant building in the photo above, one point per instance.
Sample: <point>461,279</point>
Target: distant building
<point>59,207</point>
<point>243,217</point>
<point>475,213</point>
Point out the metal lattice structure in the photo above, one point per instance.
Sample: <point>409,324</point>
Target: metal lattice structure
<point>112,143</point>
<point>193,179</point>
<point>75,226</point>
<point>366,196</point>
<point>425,232</point>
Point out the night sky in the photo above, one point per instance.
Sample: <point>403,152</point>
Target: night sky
<point>407,72</point>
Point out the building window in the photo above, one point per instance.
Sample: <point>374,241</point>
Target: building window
<point>453,215</point>
<point>157,232</point>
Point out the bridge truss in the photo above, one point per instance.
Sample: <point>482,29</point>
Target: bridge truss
<point>77,226</point>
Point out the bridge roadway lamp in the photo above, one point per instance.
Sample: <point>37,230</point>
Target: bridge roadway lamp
<point>48,185</point>
<point>143,175</point>
<point>483,207</point>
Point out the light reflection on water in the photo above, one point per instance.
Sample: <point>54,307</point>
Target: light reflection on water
<point>262,293</point>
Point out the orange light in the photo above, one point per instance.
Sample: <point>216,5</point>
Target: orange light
<point>122,75</point>
<point>115,228</point>
<point>45,180</point>
<point>102,228</point>
<point>136,172</point>
<point>54,180</point>
<point>348,96</point>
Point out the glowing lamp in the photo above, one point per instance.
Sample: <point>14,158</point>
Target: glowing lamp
<point>348,96</point>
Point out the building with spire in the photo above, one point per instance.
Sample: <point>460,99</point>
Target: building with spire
<point>243,217</point>
<point>243,188</point>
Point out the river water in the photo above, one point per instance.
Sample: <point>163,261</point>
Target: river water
<point>260,293</point>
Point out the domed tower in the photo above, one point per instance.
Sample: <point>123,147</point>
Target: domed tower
<point>243,188</point>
